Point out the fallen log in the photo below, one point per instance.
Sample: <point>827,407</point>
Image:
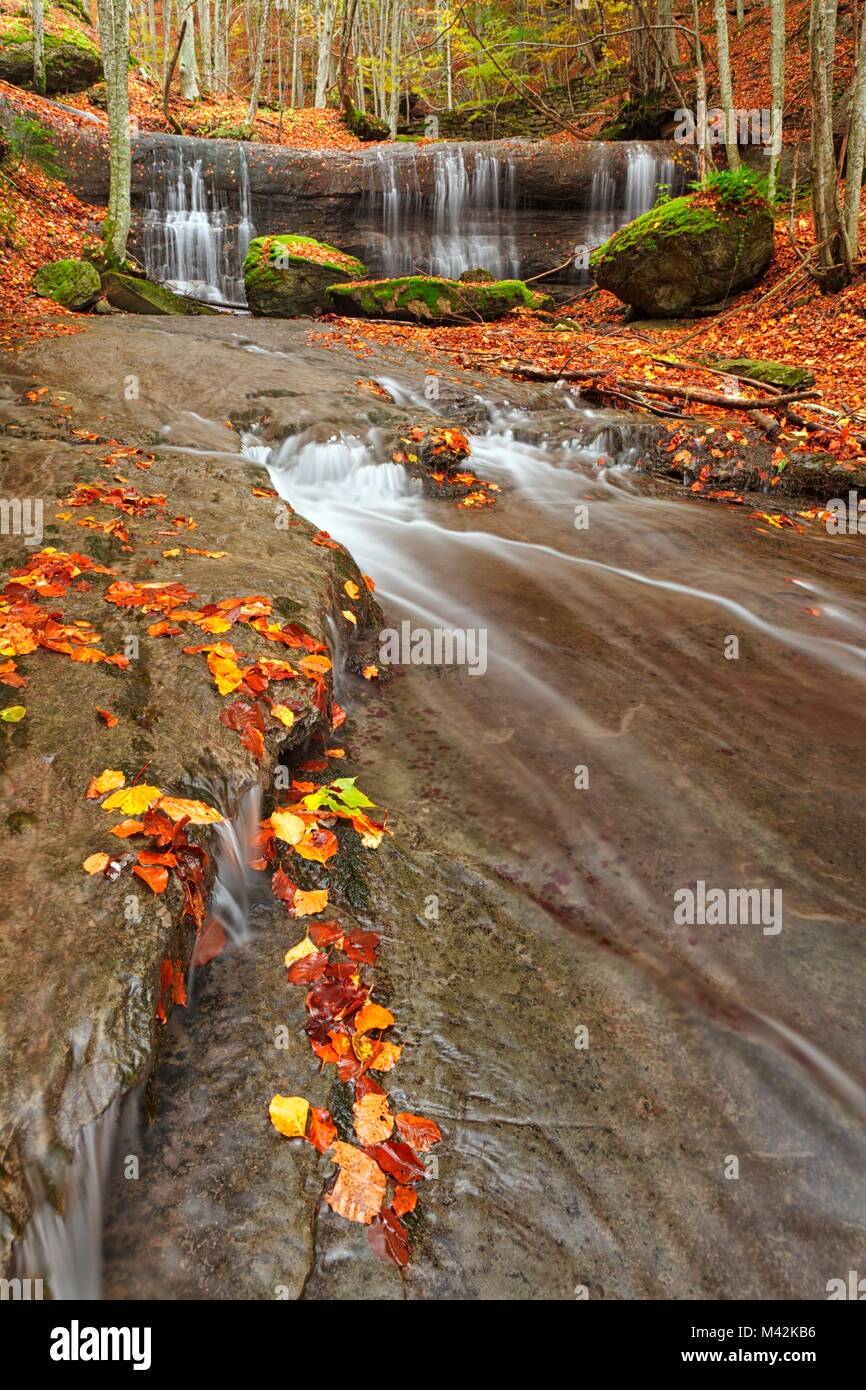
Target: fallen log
<point>655,388</point>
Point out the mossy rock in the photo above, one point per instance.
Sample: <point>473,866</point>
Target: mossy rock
<point>72,62</point>
<point>771,373</point>
<point>74,284</point>
<point>364,126</point>
<point>477,277</point>
<point>434,301</point>
<point>288,276</point>
<point>687,252</point>
<point>138,296</point>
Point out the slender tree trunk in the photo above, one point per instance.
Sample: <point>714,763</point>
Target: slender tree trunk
<point>166,37</point>
<point>777,88</point>
<point>325,20</point>
<point>705,153</point>
<point>204,37</point>
<point>833,257</point>
<point>396,29</point>
<point>725,87</point>
<point>260,60</point>
<point>187,63</point>
<point>295,50</point>
<point>856,147</point>
<point>38,46</point>
<point>113,19</point>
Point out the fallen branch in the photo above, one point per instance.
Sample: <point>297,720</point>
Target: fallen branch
<point>655,388</point>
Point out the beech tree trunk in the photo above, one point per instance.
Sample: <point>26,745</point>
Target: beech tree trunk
<point>725,87</point>
<point>856,147</point>
<point>113,20</point>
<point>833,257</point>
<point>260,61</point>
<point>777,87</point>
<point>187,64</point>
<point>38,46</point>
<point>325,20</point>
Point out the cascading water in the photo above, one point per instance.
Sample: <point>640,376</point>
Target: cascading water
<point>465,225</point>
<point>195,241</point>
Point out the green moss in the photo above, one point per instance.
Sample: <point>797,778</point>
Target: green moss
<point>72,283</point>
<point>428,298</point>
<point>678,217</point>
<point>23,33</point>
<point>296,249</point>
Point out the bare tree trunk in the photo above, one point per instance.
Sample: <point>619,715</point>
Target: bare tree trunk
<point>777,88</point>
<point>856,147</point>
<point>705,153</point>
<point>325,20</point>
<point>113,19</point>
<point>260,60</point>
<point>204,38</point>
<point>187,64</point>
<point>833,257</point>
<point>38,46</point>
<point>725,87</point>
<point>396,30</point>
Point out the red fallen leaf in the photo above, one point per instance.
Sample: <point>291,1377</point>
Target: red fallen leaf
<point>309,970</point>
<point>349,1068</point>
<point>156,877</point>
<point>178,986</point>
<point>398,1161</point>
<point>209,942</point>
<point>341,970</point>
<point>253,740</point>
<point>159,826</point>
<point>338,715</point>
<point>10,676</point>
<point>110,719</point>
<point>388,1237</point>
<point>325,1051</point>
<point>366,1086</point>
<point>325,933</point>
<point>417,1131</point>
<point>323,1131</point>
<point>324,538</point>
<point>405,1200</point>
<point>284,889</point>
<point>361,946</point>
<point>314,765</point>
<point>149,856</point>
<point>334,1002</point>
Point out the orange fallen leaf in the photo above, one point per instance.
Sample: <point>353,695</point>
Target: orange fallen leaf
<point>95,863</point>
<point>110,719</point>
<point>417,1131</point>
<point>155,876</point>
<point>359,1191</point>
<point>373,1016</point>
<point>374,1122</point>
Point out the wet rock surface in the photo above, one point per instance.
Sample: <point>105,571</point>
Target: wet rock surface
<point>561,1165</point>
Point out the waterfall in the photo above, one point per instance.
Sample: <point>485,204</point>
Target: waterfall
<point>464,225</point>
<point>645,171</point>
<point>194,241</point>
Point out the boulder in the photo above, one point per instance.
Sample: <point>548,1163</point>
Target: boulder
<point>138,296</point>
<point>687,252</point>
<point>288,276</point>
<point>476,277</point>
<point>74,284</point>
<point>72,63</point>
<point>434,301</point>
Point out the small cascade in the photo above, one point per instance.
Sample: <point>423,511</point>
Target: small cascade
<point>647,174</point>
<point>195,240</point>
<point>229,902</point>
<point>465,223</point>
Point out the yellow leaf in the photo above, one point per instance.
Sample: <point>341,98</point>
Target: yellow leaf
<point>107,781</point>
<point>308,904</point>
<point>198,811</point>
<point>284,714</point>
<point>351,588</point>
<point>287,826</point>
<point>12,714</point>
<point>95,863</point>
<point>170,554</point>
<point>302,948</point>
<point>349,616</point>
<point>132,801</point>
<point>289,1115</point>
